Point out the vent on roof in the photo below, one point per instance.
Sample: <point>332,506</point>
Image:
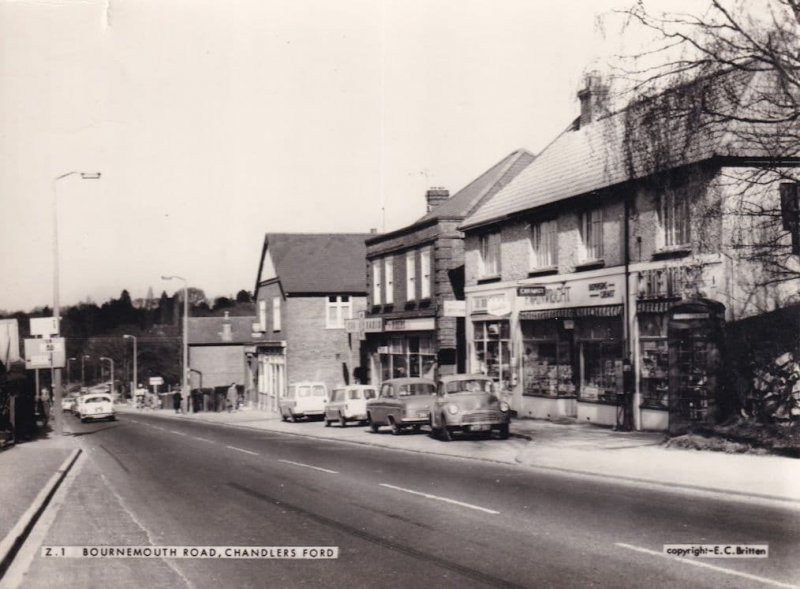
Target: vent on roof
<point>436,196</point>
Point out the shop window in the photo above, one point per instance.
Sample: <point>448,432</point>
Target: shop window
<point>547,361</point>
<point>592,234</point>
<point>376,282</point>
<point>411,275</point>
<point>338,309</point>
<point>674,213</point>
<point>654,361</point>
<point>425,273</point>
<point>408,356</point>
<point>489,263</point>
<point>388,279</point>
<point>600,344</point>
<point>543,244</point>
<point>492,346</point>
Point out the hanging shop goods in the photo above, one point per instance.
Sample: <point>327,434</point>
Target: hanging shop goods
<point>695,337</point>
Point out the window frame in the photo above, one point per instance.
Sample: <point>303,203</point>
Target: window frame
<point>340,304</point>
<point>489,255</point>
<point>388,280</point>
<point>539,237</point>
<point>376,281</point>
<point>276,313</point>
<point>425,273</point>
<point>411,275</point>
<point>674,219</point>
<point>591,233</point>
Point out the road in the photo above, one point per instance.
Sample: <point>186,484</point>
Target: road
<point>399,519</point>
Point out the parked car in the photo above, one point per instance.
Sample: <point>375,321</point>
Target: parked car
<point>401,403</point>
<point>303,399</point>
<point>68,402</point>
<point>349,403</point>
<point>468,403</point>
<point>94,406</point>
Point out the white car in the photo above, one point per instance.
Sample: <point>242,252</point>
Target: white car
<point>304,399</point>
<point>94,406</point>
<point>349,403</point>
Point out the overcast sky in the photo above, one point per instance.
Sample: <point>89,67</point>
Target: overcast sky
<point>214,122</point>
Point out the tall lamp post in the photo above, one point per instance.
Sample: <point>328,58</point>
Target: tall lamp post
<point>185,367</point>
<point>111,363</point>
<point>83,370</point>
<point>58,425</point>
<point>135,381</point>
<point>69,369</point>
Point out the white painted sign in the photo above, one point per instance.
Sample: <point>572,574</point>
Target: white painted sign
<point>45,353</point>
<point>373,325</point>
<point>584,292</point>
<point>455,308</point>
<point>155,381</point>
<point>494,304</point>
<point>44,326</point>
<point>423,324</point>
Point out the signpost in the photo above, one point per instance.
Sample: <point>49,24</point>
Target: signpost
<point>45,353</point>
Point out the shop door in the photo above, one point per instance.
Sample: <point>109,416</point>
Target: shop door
<point>695,363</point>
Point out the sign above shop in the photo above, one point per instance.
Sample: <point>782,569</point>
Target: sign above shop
<point>495,304</point>
<point>424,324</point>
<point>584,292</point>
<point>373,325</point>
<point>455,308</point>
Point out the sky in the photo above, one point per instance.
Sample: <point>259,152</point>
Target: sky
<point>214,122</point>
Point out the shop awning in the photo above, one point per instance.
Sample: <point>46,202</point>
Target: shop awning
<point>571,313</point>
<point>654,306</point>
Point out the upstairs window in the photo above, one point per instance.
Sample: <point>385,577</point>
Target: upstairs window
<point>592,234</point>
<point>338,309</point>
<point>388,279</point>
<point>425,273</point>
<point>376,282</point>
<point>276,313</point>
<point>489,263</point>
<point>262,314</point>
<point>543,244</point>
<point>675,219</point>
<point>411,275</point>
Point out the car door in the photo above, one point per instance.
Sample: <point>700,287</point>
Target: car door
<point>437,405</point>
<point>383,403</point>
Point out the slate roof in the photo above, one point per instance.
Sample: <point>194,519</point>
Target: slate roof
<point>208,330</point>
<point>621,147</point>
<point>318,263</point>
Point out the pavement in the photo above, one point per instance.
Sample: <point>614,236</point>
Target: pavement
<point>27,470</point>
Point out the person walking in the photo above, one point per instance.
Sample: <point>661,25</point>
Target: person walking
<point>232,397</point>
<point>176,400</point>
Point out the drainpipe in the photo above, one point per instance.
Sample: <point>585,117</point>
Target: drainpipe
<point>631,418</point>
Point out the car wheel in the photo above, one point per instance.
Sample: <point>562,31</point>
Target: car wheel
<point>447,435</point>
<point>342,421</point>
<point>373,427</point>
<point>283,417</point>
<point>504,431</point>
<point>416,428</point>
<point>327,422</point>
<point>83,420</point>
<point>396,429</point>
<point>292,418</point>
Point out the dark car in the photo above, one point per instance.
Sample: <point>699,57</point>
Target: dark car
<point>468,403</point>
<point>401,403</point>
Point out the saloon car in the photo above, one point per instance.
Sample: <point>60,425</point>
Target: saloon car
<point>349,403</point>
<point>468,403</point>
<point>303,400</point>
<point>94,406</point>
<point>401,403</point>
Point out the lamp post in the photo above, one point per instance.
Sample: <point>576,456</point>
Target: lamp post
<point>135,371</point>
<point>83,370</point>
<point>58,425</point>
<point>185,367</point>
<point>111,363</point>
<point>69,369</point>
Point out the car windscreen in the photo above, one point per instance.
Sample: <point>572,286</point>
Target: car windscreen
<point>363,394</point>
<point>469,386</point>
<point>416,388</point>
<point>303,391</point>
<point>318,391</point>
<point>97,400</point>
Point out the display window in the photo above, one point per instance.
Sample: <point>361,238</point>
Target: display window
<point>492,348</point>
<point>653,361</point>
<point>600,343</point>
<point>407,356</point>
<point>548,359</point>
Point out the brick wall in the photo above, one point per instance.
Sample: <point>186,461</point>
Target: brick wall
<point>220,365</point>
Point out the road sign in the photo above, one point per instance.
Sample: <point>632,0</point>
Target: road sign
<point>44,326</point>
<point>156,381</point>
<point>45,353</point>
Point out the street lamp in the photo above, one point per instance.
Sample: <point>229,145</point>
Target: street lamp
<point>69,371</point>
<point>58,423</point>
<point>185,367</point>
<point>83,370</point>
<point>111,363</point>
<point>135,382</point>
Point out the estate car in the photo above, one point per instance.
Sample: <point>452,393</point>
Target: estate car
<point>303,399</point>
<point>349,403</point>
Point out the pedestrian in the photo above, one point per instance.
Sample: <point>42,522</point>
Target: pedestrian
<point>232,397</point>
<point>176,400</point>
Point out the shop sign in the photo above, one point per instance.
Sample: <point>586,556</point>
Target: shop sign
<point>45,353</point>
<point>455,308</point>
<point>496,304</point>
<point>373,325</point>
<point>586,292</point>
<point>353,325</point>
<point>156,381</point>
<point>670,282</point>
<point>410,324</point>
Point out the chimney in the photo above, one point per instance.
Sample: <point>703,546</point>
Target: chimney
<point>593,98</point>
<point>373,231</point>
<point>436,196</point>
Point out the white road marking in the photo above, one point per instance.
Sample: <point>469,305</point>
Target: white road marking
<point>437,498</point>
<point>202,439</point>
<point>309,466</point>
<point>172,431</point>
<point>242,450</point>
<point>705,565</point>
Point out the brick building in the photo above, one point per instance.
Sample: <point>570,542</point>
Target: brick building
<point>598,280</point>
<point>308,286</point>
<point>414,272</point>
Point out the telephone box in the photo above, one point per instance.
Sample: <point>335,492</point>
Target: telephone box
<point>695,343</point>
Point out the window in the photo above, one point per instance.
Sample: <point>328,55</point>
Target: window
<point>543,241</point>
<point>388,279</point>
<point>338,309</point>
<point>592,234</point>
<point>489,263</point>
<point>492,347</point>
<point>425,273</point>
<point>411,275</point>
<point>376,282</point>
<point>276,313</point>
<point>262,314</point>
<point>675,219</point>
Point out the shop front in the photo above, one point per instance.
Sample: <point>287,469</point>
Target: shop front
<point>572,348</point>
<point>270,374</point>
<point>490,338</point>
<point>401,347</point>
